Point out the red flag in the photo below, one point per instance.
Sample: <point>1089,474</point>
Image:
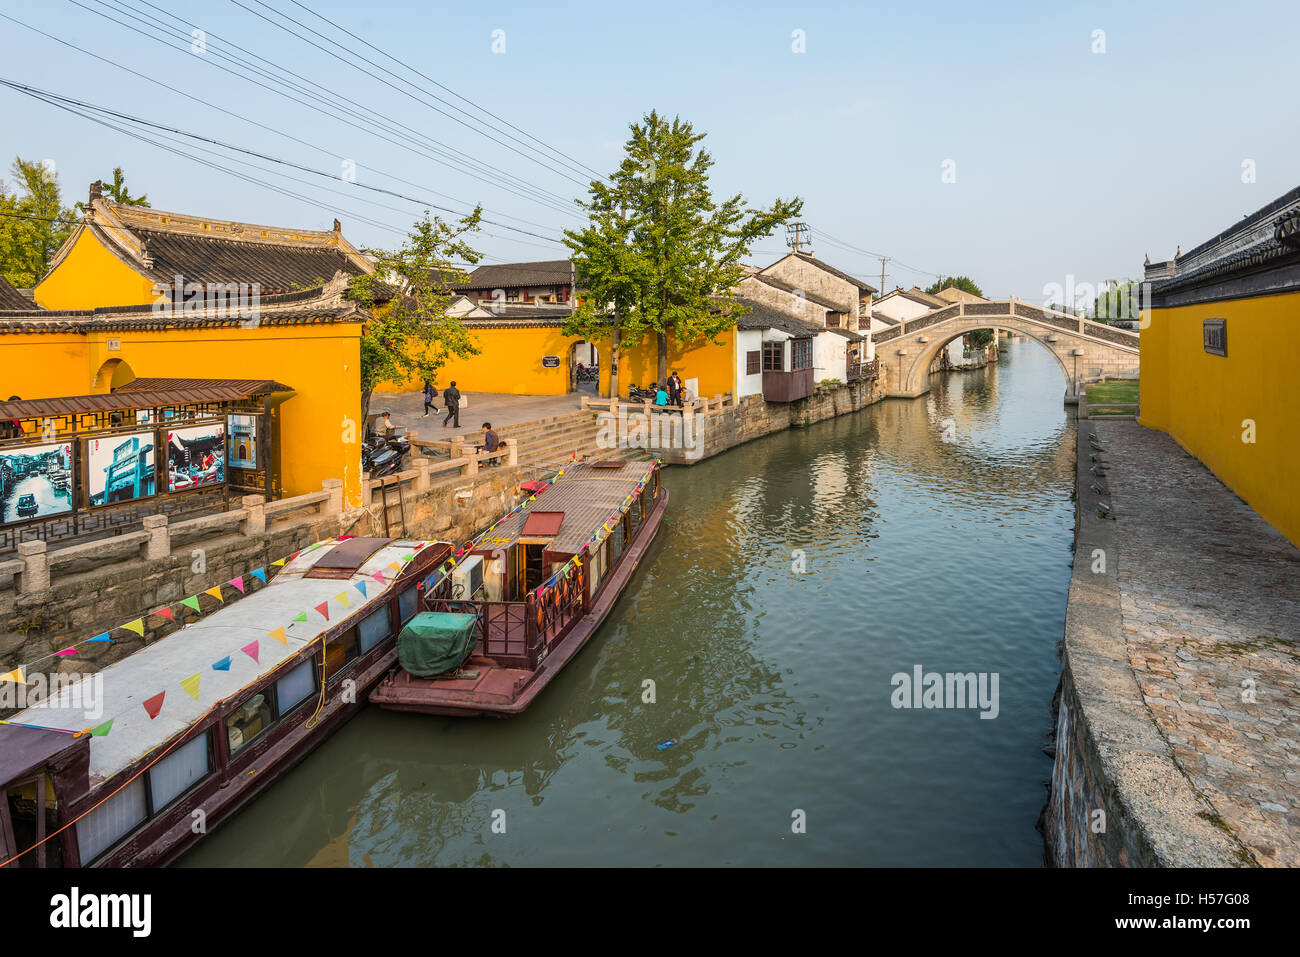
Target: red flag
<point>165,612</point>
<point>250,649</point>
<point>154,705</point>
<point>324,609</point>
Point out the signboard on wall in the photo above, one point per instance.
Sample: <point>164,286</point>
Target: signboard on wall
<point>119,468</point>
<point>35,481</point>
<point>243,441</point>
<point>1216,336</point>
<point>550,362</point>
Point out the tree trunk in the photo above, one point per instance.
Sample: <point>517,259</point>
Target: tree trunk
<point>365,411</point>
<point>663,358</point>
<point>613,362</point>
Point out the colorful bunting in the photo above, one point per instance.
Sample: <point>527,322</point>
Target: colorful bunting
<point>102,637</point>
<point>101,731</point>
<point>250,649</point>
<point>279,635</point>
<point>215,592</point>
<point>259,574</point>
<point>191,602</point>
<point>165,612</point>
<point>154,705</point>
<point>379,577</point>
<point>238,583</point>
<point>137,626</point>
<point>191,686</point>
<point>16,676</point>
<point>280,562</point>
<point>301,616</point>
<point>65,651</point>
<point>324,609</point>
<point>222,665</point>
<point>361,587</point>
<point>343,598</point>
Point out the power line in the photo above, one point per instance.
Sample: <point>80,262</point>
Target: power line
<point>444,87</point>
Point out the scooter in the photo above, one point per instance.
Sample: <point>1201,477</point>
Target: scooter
<point>635,394</point>
<point>381,456</point>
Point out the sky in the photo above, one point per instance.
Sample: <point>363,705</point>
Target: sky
<point>1021,144</point>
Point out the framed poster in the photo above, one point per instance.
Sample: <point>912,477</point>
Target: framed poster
<point>119,468</point>
<point>196,456</point>
<point>35,481</point>
<point>243,441</point>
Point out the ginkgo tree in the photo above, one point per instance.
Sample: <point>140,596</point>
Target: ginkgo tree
<point>411,334</point>
<point>658,253</point>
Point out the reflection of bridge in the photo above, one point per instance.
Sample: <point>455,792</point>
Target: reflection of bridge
<point>1085,350</point>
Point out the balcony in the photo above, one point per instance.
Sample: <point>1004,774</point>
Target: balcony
<point>787,386</point>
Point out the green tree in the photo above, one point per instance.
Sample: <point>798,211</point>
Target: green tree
<point>964,283</point>
<point>118,193</point>
<point>1118,301</point>
<point>411,335</point>
<point>658,253</point>
<point>34,223</point>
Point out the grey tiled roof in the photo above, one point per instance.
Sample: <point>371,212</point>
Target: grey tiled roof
<point>11,298</point>
<point>550,272</point>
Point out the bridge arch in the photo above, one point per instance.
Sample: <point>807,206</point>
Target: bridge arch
<point>1084,350</point>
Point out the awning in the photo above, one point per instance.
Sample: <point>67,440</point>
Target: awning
<point>132,397</point>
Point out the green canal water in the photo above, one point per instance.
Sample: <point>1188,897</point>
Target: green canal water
<point>933,532</point>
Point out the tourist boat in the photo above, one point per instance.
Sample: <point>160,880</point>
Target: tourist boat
<point>535,587</point>
<point>190,728</point>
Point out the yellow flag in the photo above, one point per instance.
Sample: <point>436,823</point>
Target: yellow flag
<point>191,685</point>
<point>16,676</point>
<point>215,592</point>
<point>280,562</point>
<point>343,597</point>
<point>279,635</point>
<point>394,566</point>
<point>137,626</point>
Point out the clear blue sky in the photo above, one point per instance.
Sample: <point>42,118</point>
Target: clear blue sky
<point>1067,161</point>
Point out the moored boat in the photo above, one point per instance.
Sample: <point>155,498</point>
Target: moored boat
<point>190,728</point>
<point>530,592</point>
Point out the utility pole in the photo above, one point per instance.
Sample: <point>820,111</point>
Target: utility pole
<point>798,235</point>
<point>883,260</point>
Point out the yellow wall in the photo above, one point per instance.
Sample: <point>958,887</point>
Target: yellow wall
<point>713,364</point>
<point>1201,400</point>
<point>320,362</point>
<point>90,276</point>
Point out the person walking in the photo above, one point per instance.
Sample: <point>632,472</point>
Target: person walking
<point>451,401</point>
<point>429,394</point>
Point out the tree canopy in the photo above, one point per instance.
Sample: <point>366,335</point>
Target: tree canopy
<point>964,283</point>
<point>118,193</point>
<point>658,252</point>
<point>34,223</point>
<point>412,336</point>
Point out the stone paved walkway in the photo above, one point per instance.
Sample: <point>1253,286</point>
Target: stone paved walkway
<point>1210,595</point>
<point>499,409</point>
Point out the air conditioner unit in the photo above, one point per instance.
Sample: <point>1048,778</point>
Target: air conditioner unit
<point>467,578</point>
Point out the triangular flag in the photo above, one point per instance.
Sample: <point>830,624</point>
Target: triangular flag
<point>16,676</point>
<point>301,616</point>
<point>215,592</point>
<point>103,637</point>
<point>102,730</point>
<point>395,567</point>
<point>280,562</point>
<point>137,626</point>
<point>361,587</point>
<point>238,583</point>
<point>65,651</point>
<point>154,705</point>
<point>407,558</point>
<point>294,555</point>
<point>165,612</point>
<point>379,577</point>
<point>324,609</point>
<point>279,635</point>
<point>222,665</point>
<point>259,574</point>
<point>577,561</point>
<point>250,649</point>
<point>191,685</point>
<point>343,597</point>
<point>192,602</point>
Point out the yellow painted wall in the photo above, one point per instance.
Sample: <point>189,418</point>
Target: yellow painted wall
<point>90,276</point>
<point>320,426</point>
<point>713,364</point>
<point>509,362</point>
<point>1202,400</point>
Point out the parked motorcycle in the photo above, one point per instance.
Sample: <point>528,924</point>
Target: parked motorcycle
<point>381,456</point>
<point>635,394</point>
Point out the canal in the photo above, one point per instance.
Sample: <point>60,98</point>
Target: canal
<point>793,577</point>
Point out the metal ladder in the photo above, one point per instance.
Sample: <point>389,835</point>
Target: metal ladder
<point>387,502</point>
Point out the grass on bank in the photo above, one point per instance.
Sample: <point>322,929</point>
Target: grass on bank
<point>1112,391</point>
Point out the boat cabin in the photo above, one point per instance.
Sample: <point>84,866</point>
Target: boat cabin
<point>126,760</point>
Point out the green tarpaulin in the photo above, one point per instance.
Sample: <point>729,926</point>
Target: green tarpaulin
<point>434,642</point>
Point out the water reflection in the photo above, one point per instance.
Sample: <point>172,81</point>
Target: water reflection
<point>793,576</point>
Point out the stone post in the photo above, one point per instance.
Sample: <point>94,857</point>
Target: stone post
<point>334,504</point>
<point>457,446</point>
<point>512,454</point>
<point>471,462</point>
<point>36,568</point>
<point>421,475</point>
<point>254,515</point>
<point>159,544</point>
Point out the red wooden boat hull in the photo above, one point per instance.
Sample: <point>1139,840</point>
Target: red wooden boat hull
<point>498,691</point>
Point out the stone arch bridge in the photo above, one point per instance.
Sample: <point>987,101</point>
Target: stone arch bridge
<point>1085,350</point>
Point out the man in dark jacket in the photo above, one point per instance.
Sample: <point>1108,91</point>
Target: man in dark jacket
<point>451,399</point>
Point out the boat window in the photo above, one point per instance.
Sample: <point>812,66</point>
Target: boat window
<point>408,603</point>
<point>341,651</point>
<point>634,516</point>
<point>374,628</point>
<point>179,771</point>
<point>295,686</point>
<point>617,539</point>
<point>249,721</point>
<point>111,821</point>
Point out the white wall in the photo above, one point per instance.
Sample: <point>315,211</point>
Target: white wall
<point>748,340</point>
<point>830,355</point>
<point>899,307</point>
